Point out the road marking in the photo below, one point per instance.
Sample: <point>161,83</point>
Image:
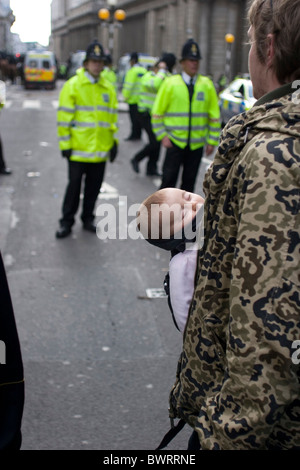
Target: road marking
<point>31,104</point>
<point>108,192</point>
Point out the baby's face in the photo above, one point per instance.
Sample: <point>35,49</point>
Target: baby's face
<point>183,204</point>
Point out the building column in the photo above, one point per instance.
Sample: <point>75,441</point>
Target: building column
<point>204,39</point>
<point>181,23</point>
<point>150,31</point>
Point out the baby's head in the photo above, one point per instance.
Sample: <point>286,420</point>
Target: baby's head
<point>166,217</point>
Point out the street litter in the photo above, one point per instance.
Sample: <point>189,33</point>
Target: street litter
<point>158,293</point>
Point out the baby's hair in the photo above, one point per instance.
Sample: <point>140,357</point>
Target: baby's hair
<point>150,224</point>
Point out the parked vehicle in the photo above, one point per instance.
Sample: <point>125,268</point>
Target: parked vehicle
<point>74,63</point>
<point>236,98</point>
<point>40,69</point>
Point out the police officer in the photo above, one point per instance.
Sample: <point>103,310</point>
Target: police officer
<point>109,72</point>
<point>87,123</point>
<point>186,117</point>
<point>131,91</point>
<point>150,84</point>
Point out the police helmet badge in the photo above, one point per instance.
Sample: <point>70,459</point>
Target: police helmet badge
<point>194,50</point>
<point>191,50</point>
<point>97,50</point>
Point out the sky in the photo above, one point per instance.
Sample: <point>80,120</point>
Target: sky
<point>33,20</point>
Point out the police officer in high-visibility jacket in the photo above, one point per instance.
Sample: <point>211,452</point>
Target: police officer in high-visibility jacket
<point>150,84</point>
<point>186,117</point>
<point>131,91</point>
<point>109,73</point>
<point>87,123</point>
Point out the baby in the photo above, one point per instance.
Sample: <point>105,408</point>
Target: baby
<point>170,219</point>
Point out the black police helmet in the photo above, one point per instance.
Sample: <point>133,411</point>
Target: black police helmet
<point>191,50</point>
<point>95,51</point>
<point>108,59</point>
<point>169,59</point>
<point>134,56</point>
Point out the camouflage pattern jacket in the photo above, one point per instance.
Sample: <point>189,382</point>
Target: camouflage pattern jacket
<point>238,375</point>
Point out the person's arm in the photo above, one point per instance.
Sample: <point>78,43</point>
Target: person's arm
<point>214,121</point>
<point>158,111</point>
<point>65,116</point>
<point>128,85</point>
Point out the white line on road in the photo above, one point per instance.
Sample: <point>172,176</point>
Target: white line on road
<point>31,104</point>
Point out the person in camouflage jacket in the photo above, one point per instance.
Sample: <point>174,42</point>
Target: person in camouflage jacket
<point>238,377</point>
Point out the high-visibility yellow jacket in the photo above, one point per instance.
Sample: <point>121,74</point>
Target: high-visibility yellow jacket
<point>111,76</point>
<point>175,117</point>
<point>87,118</point>
<point>132,84</point>
<point>150,84</point>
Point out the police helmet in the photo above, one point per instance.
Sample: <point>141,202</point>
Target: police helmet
<point>169,59</point>
<point>95,51</point>
<point>191,50</point>
<point>134,57</point>
<point>108,59</point>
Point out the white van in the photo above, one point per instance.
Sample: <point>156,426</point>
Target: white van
<point>40,69</point>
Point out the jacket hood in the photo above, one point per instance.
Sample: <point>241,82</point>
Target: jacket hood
<point>279,114</point>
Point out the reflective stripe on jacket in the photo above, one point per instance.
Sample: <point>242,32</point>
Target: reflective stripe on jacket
<point>87,118</point>
<point>171,114</point>
<point>132,84</point>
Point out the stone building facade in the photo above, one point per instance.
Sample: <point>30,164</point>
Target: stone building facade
<point>7,19</point>
<point>153,26</point>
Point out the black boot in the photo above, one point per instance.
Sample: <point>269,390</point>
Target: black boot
<point>135,164</point>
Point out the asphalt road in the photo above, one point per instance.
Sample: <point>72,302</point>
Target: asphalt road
<point>100,356</point>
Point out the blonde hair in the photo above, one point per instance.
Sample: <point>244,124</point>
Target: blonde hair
<point>282,19</point>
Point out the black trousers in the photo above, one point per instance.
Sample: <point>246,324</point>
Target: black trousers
<point>152,149</point>
<point>136,130</point>
<point>176,159</point>
<point>94,174</point>
<point>2,161</point>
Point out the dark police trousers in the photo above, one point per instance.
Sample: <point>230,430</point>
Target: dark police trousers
<point>94,174</point>
<point>152,149</point>
<point>2,161</point>
<point>136,130</point>
<point>186,158</point>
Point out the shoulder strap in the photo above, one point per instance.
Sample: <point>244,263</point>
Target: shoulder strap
<point>167,291</point>
<point>171,434</point>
